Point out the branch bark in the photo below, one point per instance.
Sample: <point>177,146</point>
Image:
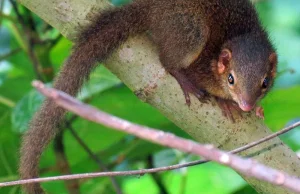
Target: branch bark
<point>136,63</point>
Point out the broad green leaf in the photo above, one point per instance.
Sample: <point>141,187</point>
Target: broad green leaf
<point>281,106</point>
<point>25,109</point>
<point>101,79</point>
<point>60,52</point>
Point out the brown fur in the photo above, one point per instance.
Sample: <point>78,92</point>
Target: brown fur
<point>189,35</point>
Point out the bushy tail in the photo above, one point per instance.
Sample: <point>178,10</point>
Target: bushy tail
<point>95,44</point>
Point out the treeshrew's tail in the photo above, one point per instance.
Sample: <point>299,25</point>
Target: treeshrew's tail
<point>94,45</point>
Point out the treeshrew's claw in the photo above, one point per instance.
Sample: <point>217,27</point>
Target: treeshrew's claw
<point>259,112</point>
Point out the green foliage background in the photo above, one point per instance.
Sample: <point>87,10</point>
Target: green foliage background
<point>18,102</point>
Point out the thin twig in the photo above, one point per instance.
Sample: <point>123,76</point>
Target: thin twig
<point>89,175</point>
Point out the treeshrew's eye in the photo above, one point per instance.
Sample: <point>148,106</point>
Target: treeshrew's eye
<point>265,83</point>
<point>230,79</point>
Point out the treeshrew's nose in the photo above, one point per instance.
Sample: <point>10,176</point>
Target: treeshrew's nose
<point>246,106</point>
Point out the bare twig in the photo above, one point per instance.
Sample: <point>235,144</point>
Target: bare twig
<point>88,175</point>
<point>247,167</point>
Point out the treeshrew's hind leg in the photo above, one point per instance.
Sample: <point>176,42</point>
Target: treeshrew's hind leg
<point>187,87</point>
<point>180,42</point>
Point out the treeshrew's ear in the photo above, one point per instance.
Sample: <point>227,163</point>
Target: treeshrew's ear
<point>273,62</point>
<point>224,60</point>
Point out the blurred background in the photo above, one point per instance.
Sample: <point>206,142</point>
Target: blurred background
<point>31,49</point>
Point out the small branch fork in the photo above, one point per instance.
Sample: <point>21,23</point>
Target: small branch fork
<point>247,167</point>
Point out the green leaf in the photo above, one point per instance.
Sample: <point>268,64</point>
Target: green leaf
<point>25,109</point>
<point>209,178</point>
<point>100,80</point>
<point>281,106</point>
<point>60,52</point>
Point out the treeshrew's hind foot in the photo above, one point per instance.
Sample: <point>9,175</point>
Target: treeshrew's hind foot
<point>228,107</point>
<point>188,87</point>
